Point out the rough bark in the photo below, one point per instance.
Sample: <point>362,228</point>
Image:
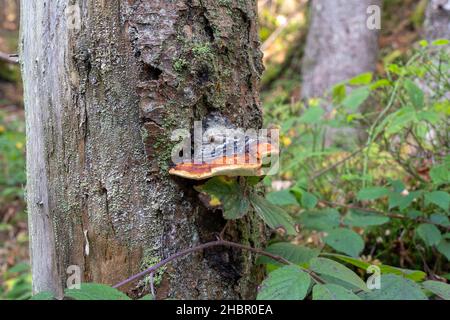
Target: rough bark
<point>101,103</point>
<point>339,44</point>
<point>437,21</point>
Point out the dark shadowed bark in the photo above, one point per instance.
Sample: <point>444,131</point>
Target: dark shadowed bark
<point>101,103</point>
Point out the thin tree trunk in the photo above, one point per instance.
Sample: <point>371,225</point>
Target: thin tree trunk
<point>339,44</point>
<point>101,103</point>
<point>437,21</point>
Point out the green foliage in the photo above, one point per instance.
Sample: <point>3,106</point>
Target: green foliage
<point>286,283</point>
<point>299,255</point>
<point>322,220</point>
<point>273,216</point>
<point>16,283</point>
<point>388,191</point>
<point>281,198</point>
<point>359,218</point>
<point>414,275</point>
<point>346,241</point>
<point>383,194</point>
<point>394,287</point>
<point>43,296</point>
<point>335,271</point>
<point>95,291</point>
<point>332,292</point>
<point>440,289</point>
<point>429,233</point>
<point>229,194</point>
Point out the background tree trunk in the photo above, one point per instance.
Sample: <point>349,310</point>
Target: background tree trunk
<point>437,21</point>
<point>101,103</point>
<point>339,44</point>
<point>339,47</point>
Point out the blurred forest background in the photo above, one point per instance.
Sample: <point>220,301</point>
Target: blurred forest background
<point>364,161</point>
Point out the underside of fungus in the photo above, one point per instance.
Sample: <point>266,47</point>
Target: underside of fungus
<point>251,163</point>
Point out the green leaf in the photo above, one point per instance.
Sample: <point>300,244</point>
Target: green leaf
<point>294,253</point>
<point>95,291</point>
<point>286,283</point>
<point>346,241</point>
<point>308,200</point>
<point>444,248</point>
<point>440,289</point>
<point>439,198</point>
<point>339,93</point>
<point>332,292</point>
<point>440,174</point>
<point>415,94</point>
<point>281,198</point>
<point>322,220</point>
<point>273,216</point>
<point>440,42</point>
<point>356,98</point>
<point>394,287</point>
<point>44,295</point>
<point>19,268</point>
<point>372,193</point>
<point>400,120</point>
<point>380,83</point>
<point>333,269</point>
<point>230,195</point>
<point>402,202</point>
<point>359,218</point>
<point>440,219</point>
<point>362,79</point>
<point>312,115</point>
<point>429,233</point>
<point>415,275</point>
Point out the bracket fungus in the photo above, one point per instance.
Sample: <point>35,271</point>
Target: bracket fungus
<point>221,149</point>
<point>250,163</point>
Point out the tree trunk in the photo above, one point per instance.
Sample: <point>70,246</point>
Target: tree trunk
<point>9,14</point>
<point>101,103</point>
<point>437,22</point>
<point>339,47</point>
<point>339,44</point>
